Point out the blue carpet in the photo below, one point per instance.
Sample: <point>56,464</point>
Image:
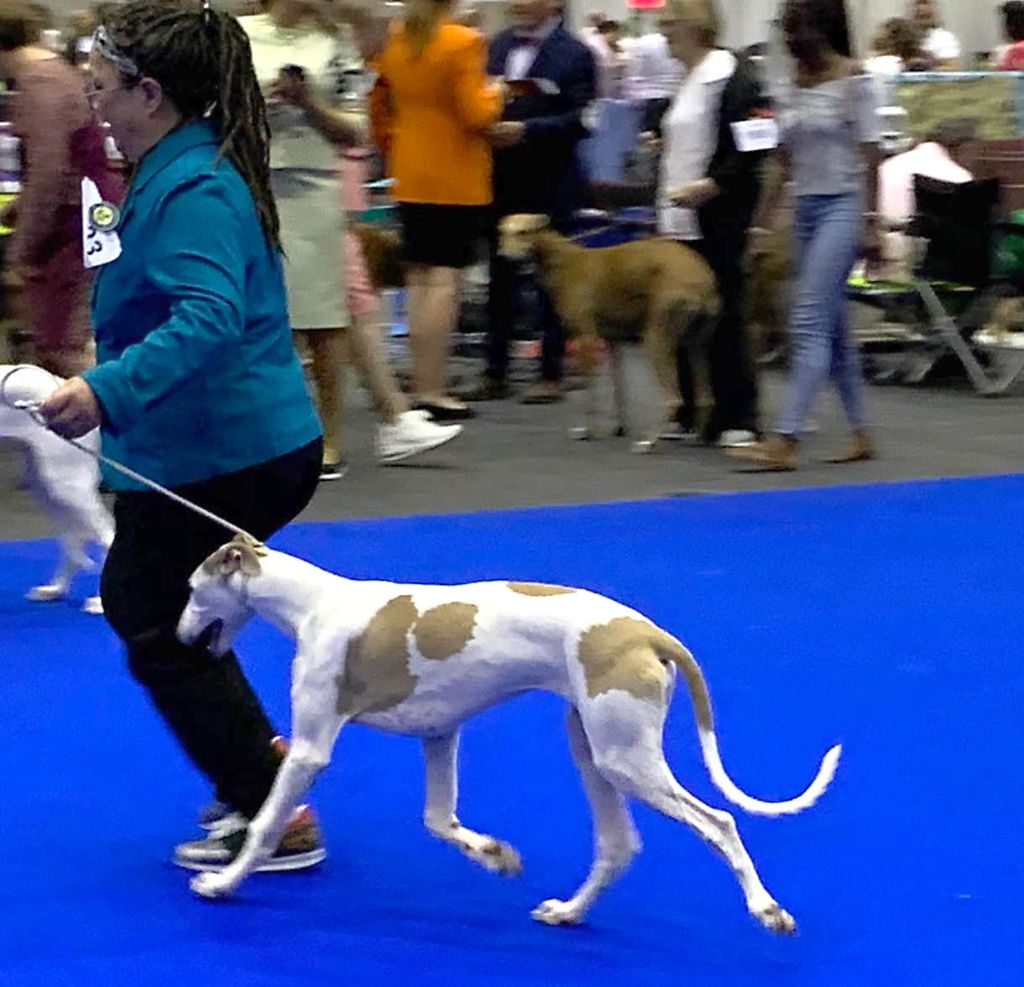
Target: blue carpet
<point>883,617</point>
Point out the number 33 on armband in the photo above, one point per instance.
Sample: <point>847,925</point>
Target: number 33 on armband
<point>100,242</point>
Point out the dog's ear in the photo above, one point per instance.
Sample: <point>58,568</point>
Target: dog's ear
<point>236,556</point>
<point>247,541</point>
<point>535,223</point>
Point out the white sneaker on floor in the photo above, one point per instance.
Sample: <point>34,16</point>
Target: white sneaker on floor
<point>736,438</point>
<point>413,433</point>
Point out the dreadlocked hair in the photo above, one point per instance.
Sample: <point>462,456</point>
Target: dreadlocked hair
<point>202,60</point>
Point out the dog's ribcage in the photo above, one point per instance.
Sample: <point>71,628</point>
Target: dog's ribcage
<point>466,648</point>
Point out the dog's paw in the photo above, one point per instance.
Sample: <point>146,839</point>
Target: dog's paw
<point>501,858</point>
<point>93,605</point>
<point>643,447</point>
<point>776,919</point>
<point>46,594</point>
<point>555,912</point>
<point>580,433</point>
<point>211,886</point>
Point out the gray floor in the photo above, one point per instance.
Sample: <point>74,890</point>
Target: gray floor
<point>517,456</point>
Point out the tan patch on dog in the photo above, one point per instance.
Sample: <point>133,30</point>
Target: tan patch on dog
<point>539,589</point>
<point>623,654</point>
<point>445,630</point>
<point>376,675</point>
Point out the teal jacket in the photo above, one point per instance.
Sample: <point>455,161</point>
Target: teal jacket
<point>196,374</point>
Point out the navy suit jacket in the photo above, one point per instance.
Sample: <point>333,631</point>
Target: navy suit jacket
<point>542,174</point>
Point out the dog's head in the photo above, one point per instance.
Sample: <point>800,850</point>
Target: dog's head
<point>218,605</point>
<point>518,235</point>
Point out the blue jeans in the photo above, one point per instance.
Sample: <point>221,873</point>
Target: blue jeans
<point>827,232</point>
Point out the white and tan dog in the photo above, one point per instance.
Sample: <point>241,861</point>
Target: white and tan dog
<point>421,660</point>
<point>63,479</point>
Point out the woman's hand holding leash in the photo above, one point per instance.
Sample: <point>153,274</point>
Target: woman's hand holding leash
<point>72,410</point>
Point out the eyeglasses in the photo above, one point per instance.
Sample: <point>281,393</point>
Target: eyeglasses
<point>93,93</point>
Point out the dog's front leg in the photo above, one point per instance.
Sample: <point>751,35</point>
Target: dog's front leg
<point>440,756</point>
<point>296,774</point>
<point>315,726</point>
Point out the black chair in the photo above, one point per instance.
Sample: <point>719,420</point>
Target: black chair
<point>953,288</point>
<point>960,227</point>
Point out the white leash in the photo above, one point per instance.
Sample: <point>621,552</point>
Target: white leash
<point>31,408</point>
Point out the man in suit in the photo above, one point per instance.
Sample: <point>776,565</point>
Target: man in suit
<point>536,170</point>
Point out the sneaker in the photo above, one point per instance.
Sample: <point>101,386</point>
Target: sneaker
<point>334,470</point>
<point>211,816</point>
<point>674,432</point>
<point>414,432</point>
<point>736,438</point>
<point>301,846</point>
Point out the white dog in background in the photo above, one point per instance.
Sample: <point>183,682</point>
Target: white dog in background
<point>63,479</point>
<point>421,660</point>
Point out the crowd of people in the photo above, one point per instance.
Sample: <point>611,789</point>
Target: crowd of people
<point>247,143</point>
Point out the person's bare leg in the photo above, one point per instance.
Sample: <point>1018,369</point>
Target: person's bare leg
<point>433,300</point>
<point>327,349</point>
<point>366,349</point>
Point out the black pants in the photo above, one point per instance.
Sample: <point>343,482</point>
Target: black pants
<point>733,384</point>
<point>207,702</point>
<point>501,317</point>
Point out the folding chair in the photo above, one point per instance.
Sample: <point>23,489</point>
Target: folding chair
<point>961,227</point>
<point>953,287</point>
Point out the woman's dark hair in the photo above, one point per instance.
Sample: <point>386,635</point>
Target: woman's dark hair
<point>1013,20</point>
<point>202,60</point>
<point>813,26</point>
<point>19,25</point>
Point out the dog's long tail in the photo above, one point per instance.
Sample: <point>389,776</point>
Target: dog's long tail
<point>673,651</point>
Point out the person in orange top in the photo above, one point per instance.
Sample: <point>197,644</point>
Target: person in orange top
<point>430,111</point>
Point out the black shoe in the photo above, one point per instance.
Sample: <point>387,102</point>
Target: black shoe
<point>301,846</point>
<point>543,392</point>
<point>335,470</point>
<point>489,389</point>
<point>442,413</point>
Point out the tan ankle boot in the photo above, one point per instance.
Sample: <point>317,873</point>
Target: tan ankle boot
<point>862,448</point>
<point>778,453</point>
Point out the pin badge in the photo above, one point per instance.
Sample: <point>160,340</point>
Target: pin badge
<point>104,216</point>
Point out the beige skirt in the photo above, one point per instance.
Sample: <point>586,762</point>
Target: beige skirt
<point>312,228</point>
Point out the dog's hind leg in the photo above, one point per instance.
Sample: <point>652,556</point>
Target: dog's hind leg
<point>440,757</point>
<point>625,737</point>
<point>588,343</point>
<point>659,344</point>
<point>615,837</point>
<point>314,731</point>
<point>618,372</point>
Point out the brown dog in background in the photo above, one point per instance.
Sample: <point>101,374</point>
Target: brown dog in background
<point>656,291</point>
<point>383,253</point>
